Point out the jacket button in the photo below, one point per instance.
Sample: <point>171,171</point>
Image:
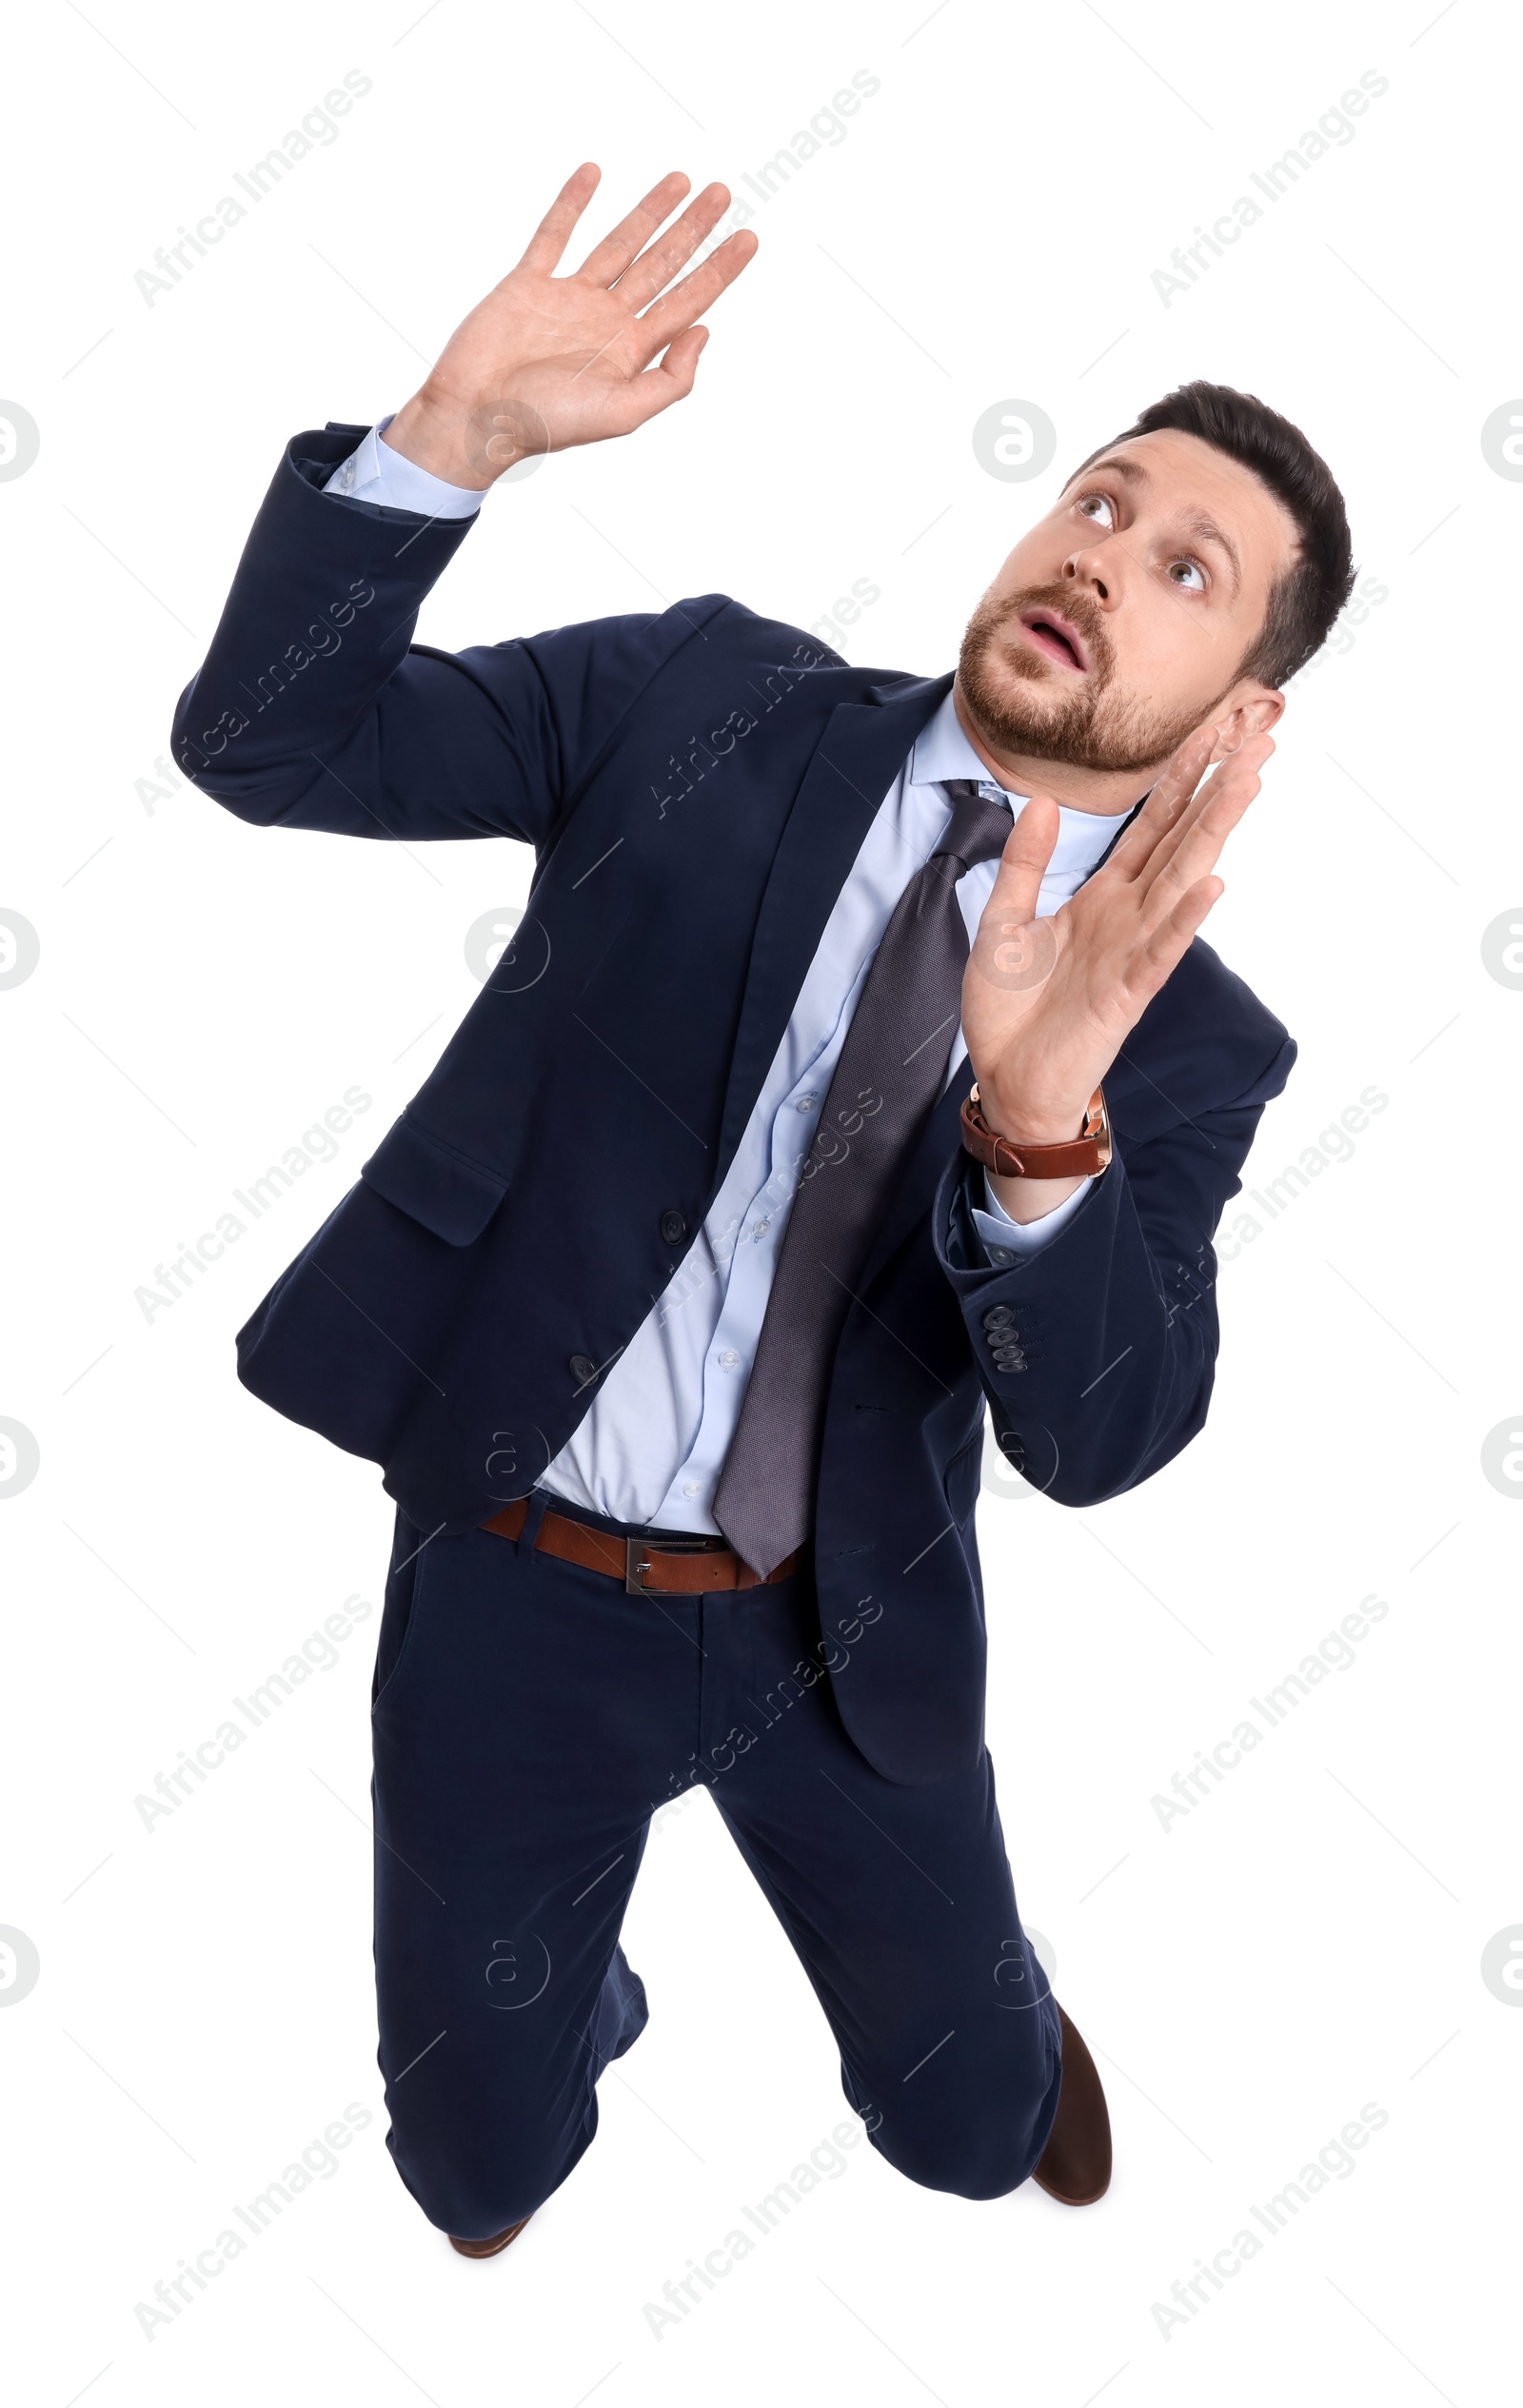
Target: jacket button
<point>582,1369</point>
<point>998,1316</point>
<point>673,1227</point>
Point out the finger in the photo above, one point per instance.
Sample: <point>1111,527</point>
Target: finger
<point>687,301</point>
<point>1024,862</point>
<point>1169,943</point>
<point>553,232</point>
<point>1167,799</point>
<point>1151,964</point>
<point>610,257</point>
<point>670,380</point>
<point>1190,847</point>
<point>659,264</point>
<point>1185,873</point>
<point>1182,810</point>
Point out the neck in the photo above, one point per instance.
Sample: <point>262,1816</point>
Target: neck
<point>1105,792</point>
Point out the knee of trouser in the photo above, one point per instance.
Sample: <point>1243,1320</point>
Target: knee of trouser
<point>987,2160</point>
<point>474,2185</point>
<point>980,2144</point>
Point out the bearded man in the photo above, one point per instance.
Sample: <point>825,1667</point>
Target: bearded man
<point>857,1069</point>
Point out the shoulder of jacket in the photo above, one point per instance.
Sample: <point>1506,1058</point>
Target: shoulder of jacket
<point>1210,987</point>
<point>753,634</point>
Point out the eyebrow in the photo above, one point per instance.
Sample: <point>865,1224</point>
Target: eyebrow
<point>1205,530</point>
<point>1202,528</point>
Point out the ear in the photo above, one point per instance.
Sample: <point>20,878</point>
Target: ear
<point>1252,708</point>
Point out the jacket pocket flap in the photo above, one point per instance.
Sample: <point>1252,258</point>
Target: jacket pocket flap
<point>433,1184</point>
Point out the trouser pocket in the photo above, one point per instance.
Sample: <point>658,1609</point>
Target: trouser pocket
<point>399,1613</point>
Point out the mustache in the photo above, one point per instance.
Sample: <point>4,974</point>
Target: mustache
<point>1076,605</point>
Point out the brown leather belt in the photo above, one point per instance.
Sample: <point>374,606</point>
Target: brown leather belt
<point>683,1570</point>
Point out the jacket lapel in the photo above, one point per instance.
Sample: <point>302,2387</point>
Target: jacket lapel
<point>857,759</point>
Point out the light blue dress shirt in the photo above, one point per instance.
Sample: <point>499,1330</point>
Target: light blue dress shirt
<point>651,1445</point>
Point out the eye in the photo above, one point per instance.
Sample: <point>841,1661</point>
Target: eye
<point>1096,506</point>
<point>1188,575</point>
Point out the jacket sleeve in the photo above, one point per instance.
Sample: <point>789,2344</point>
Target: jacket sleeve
<point>314,709</point>
<point>1109,1335</point>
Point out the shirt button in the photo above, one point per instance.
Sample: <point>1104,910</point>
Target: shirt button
<point>582,1369</point>
<point>1001,1255</point>
<point>729,1359</point>
<point>692,1488</point>
<point>807,1104</point>
<point>759,1229</point>
<point>673,1227</point>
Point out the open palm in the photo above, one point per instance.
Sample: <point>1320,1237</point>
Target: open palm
<point>546,361</point>
<point>1048,1003</point>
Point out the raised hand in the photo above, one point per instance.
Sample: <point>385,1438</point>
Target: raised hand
<point>547,361</point>
<point>1048,1003</point>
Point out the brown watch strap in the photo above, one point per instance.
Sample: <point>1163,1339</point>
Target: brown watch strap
<point>1070,1157</point>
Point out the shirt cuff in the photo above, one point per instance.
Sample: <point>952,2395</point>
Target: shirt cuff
<point>376,473</point>
<point>1005,1240</point>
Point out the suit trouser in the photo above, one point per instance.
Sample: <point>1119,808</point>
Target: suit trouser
<point>529,1717</point>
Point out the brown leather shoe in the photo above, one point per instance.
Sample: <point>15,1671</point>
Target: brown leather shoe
<point>488,2248</point>
<point>1076,2164</point>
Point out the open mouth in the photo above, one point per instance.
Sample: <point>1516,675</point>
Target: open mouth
<point>1056,639</point>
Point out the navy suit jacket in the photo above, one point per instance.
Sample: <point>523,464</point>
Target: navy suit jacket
<point>696,784</point>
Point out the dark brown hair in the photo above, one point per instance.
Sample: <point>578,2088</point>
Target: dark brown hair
<point>1306,599</point>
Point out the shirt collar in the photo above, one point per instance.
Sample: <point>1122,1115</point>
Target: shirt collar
<point>941,750</point>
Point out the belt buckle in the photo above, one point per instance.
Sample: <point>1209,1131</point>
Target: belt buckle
<point>637,1560</point>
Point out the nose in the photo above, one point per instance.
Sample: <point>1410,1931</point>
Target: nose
<point>1092,569</point>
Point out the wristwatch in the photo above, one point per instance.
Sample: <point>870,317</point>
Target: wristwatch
<point>1072,1157</point>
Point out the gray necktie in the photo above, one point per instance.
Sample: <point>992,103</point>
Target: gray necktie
<point>890,1072</point>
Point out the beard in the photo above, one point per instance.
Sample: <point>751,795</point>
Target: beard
<point>1025,704</point>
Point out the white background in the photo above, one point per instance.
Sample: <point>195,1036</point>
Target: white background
<point>1307,1938</point>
